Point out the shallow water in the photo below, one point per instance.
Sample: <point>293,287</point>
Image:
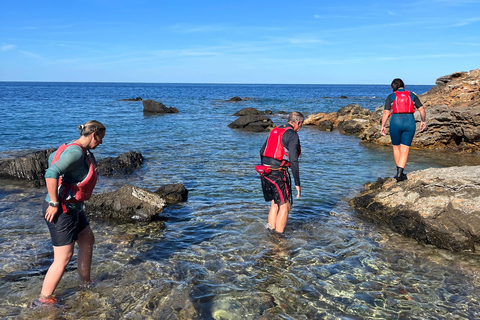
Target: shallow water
<point>214,259</point>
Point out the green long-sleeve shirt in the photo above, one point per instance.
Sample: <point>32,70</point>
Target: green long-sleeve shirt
<point>72,166</point>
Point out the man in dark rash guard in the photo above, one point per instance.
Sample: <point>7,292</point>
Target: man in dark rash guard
<point>279,152</point>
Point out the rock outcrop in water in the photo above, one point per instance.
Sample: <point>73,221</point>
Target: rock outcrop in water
<point>133,99</point>
<point>173,193</point>
<point>128,204</point>
<point>132,204</point>
<point>30,167</point>
<point>154,107</point>
<point>124,164</point>
<point>255,123</point>
<point>434,206</point>
<point>453,117</point>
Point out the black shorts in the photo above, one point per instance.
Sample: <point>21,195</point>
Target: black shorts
<point>277,186</point>
<point>66,226</point>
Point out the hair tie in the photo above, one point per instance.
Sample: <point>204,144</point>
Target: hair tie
<point>81,127</point>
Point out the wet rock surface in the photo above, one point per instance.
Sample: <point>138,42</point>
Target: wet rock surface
<point>154,107</point>
<point>173,193</point>
<point>124,164</point>
<point>127,204</point>
<point>30,167</point>
<point>434,206</point>
<point>254,123</point>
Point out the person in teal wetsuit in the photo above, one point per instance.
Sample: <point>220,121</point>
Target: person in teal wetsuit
<point>401,104</point>
<point>73,168</point>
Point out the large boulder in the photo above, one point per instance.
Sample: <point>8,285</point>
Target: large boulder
<point>127,204</point>
<point>434,206</point>
<point>255,123</point>
<point>173,193</point>
<point>151,106</point>
<point>248,112</point>
<point>30,167</point>
<point>124,164</point>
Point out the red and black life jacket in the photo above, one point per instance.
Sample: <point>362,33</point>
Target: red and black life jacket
<point>403,103</point>
<point>80,191</point>
<point>274,148</point>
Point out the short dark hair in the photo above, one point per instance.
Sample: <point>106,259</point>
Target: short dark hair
<point>397,83</point>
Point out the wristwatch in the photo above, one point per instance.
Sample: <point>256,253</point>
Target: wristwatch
<point>53,204</point>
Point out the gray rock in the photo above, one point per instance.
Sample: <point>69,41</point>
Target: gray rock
<point>151,106</point>
<point>255,123</point>
<point>124,164</point>
<point>128,204</point>
<point>248,112</point>
<point>434,206</point>
<point>353,126</point>
<point>30,167</point>
<point>325,125</point>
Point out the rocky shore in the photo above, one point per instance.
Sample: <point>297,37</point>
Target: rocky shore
<point>434,206</point>
<point>440,207</point>
<point>453,117</point>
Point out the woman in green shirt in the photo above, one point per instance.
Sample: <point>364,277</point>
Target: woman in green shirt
<point>72,167</point>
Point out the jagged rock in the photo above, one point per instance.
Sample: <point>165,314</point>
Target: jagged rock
<point>353,126</point>
<point>133,99</point>
<point>124,164</point>
<point>253,123</point>
<point>127,204</point>
<point>30,167</point>
<point>434,206</point>
<point>151,106</point>
<point>316,119</point>
<point>248,112</point>
<point>173,193</point>
<point>325,125</point>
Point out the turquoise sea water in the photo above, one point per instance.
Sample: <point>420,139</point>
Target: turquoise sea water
<point>214,259</point>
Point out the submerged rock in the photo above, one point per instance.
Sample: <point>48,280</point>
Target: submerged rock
<point>151,106</point>
<point>237,99</point>
<point>124,164</point>
<point>434,206</point>
<point>30,167</point>
<point>127,204</point>
<point>255,123</point>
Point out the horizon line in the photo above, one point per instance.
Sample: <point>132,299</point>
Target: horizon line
<point>211,83</point>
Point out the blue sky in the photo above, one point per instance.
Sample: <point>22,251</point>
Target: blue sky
<point>311,42</point>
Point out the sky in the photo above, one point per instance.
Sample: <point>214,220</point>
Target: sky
<point>203,41</point>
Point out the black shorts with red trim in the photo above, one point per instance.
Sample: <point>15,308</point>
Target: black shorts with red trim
<point>277,186</point>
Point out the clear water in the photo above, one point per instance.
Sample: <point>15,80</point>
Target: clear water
<point>214,258</point>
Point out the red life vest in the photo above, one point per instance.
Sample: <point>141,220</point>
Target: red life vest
<point>274,148</point>
<point>80,191</point>
<point>403,103</point>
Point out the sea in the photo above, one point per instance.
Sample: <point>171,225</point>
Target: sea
<point>212,257</point>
